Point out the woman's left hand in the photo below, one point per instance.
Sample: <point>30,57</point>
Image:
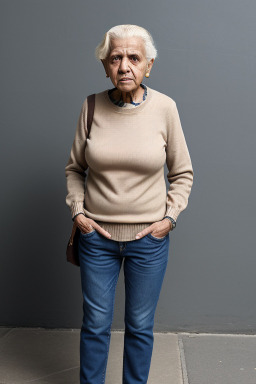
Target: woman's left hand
<point>158,229</point>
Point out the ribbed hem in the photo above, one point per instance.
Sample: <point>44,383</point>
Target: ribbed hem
<point>123,231</point>
<point>77,207</point>
<point>172,212</point>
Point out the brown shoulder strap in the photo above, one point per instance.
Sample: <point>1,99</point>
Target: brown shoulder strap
<point>91,105</point>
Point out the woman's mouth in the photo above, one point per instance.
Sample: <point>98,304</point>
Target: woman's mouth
<point>123,80</point>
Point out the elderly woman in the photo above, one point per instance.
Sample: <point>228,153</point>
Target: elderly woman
<point>123,213</point>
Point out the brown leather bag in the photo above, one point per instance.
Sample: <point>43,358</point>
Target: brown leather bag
<point>72,247</point>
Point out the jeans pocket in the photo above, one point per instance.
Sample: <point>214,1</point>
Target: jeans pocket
<point>150,236</point>
<point>87,234</point>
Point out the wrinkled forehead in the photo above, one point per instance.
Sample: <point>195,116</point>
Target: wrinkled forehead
<point>128,45</point>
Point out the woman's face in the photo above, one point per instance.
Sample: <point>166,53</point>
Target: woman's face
<point>127,59</point>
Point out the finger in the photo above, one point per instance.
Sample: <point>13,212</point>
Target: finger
<point>101,230</point>
<point>85,227</point>
<point>88,224</point>
<point>105,233</point>
<point>143,233</point>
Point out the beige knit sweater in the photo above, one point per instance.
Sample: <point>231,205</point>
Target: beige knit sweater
<point>124,188</point>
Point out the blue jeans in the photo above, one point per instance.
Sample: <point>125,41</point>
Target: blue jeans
<point>144,264</point>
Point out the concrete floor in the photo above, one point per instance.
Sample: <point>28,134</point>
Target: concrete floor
<point>42,356</point>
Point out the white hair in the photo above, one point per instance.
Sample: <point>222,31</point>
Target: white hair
<point>123,31</point>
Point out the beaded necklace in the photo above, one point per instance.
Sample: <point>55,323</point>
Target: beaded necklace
<point>121,103</point>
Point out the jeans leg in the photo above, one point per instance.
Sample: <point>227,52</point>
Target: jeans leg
<point>144,269</point>
<point>100,268</point>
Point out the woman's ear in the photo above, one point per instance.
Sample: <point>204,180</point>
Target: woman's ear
<point>150,63</point>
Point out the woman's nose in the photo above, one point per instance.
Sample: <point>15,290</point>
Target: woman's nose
<point>124,65</point>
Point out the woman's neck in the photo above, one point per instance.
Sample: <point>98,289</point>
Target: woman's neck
<point>135,96</point>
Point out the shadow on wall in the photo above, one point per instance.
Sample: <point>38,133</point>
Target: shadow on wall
<point>38,285</point>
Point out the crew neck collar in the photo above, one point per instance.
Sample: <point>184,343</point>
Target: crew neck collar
<point>121,103</point>
<point>127,109</point>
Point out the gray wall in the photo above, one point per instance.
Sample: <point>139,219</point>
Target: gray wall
<point>207,65</point>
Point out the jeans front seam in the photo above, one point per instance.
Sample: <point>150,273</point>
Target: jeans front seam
<point>109,331</point>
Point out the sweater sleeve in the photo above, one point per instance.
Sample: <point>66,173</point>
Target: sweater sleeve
<point>76,166</point>
<point>180,170</point>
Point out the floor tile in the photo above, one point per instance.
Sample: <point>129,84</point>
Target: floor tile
<point>220,359</point>
<point>32,355</point>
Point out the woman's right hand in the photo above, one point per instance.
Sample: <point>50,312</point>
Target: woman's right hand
<point>85,224</point>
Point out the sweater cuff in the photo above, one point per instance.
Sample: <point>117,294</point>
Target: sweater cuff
<point>172,212</point>
<point>77,207</point>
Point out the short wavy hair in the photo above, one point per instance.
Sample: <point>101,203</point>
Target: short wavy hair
<point>123,31</point>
